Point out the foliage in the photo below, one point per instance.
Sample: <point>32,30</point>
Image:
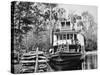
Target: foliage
<point>33,23</point>
<point>90,30</point>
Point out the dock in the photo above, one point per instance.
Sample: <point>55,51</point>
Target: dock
<point>38,63</point>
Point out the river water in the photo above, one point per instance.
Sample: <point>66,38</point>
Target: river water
<point>88,62</point>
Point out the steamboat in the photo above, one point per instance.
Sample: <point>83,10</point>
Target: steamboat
<point>67,46</point>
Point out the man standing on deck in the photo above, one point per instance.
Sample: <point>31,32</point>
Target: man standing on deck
<point>80,38</point>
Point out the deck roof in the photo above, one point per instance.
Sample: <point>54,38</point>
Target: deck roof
<point>65,31</point>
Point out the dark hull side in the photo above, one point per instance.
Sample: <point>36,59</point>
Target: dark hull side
<point>65,58</point>
<point>65,61</point>
<point>66,66</point>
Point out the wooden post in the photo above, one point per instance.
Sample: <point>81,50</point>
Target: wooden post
<point>67,46</point>
<point>73,39</point>
<point>82,49</point>
<point>83,65</point>
<point>36,63</point>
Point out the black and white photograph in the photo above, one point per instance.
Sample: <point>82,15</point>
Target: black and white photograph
<point>51,37</point>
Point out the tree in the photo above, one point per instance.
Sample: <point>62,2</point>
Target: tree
<point>90,29</point>
<point>21,22</point>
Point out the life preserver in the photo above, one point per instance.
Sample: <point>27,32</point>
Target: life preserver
<point>51,51</point>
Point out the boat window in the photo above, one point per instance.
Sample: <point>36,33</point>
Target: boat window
<point>62,24</point>
<point>67,36</point>
<point>67,23</point>
<point>60,37</point>
<point>75,36</point>
<point>57,37</point>
<point>71,36</point>
<point>64,37</point>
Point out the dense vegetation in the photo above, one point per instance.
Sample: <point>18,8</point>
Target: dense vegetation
<point>33,23</point>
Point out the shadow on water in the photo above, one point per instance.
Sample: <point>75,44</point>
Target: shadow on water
<point>88,62</point>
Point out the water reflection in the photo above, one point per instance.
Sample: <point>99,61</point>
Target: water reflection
<point>88,62</point>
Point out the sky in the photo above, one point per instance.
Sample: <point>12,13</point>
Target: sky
<point>78,9</point>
